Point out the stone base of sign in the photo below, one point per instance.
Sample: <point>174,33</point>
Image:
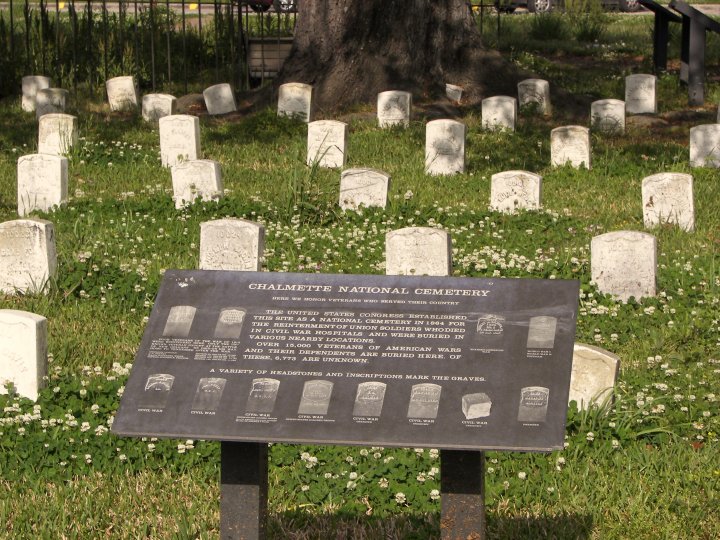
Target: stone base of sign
<point>243,490</point>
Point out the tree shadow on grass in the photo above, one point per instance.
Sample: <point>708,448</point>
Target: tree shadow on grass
<point>298,525</point>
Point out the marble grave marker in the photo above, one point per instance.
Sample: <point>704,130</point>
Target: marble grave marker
<point>668,198</point>
<point>57,133</point>
<point>27,255</point>
<point>418,251</point>
<point>50,100</point>
<point>515,190</point>
<point>231,244</point>
<point>23,352</point>
<point>453,92</point>
<point>570,144</point>
<point>394,108</point>
<point>42,182</point>
<point>593,376</point>
<point>327,143</point>
<point>623,264</point>
<point>537,92</point>
<point>705,146</point>
<point>641,94</point>
<point>179,138</point>
<point>157,106</point>
<point>608,116</point>
<point>444,147</point>
<point>30,86</point>
<point>368,187</point>
<point>295,100</point>
<point>197,178</point>
<point>219,99</point>
<point>499,112</point>
<point>122,93</point>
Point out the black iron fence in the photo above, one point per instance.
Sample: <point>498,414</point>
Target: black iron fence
<point>166,45</point>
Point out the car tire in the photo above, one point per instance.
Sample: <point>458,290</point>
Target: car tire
<point>541,6</point>
<point>284,6</point>
<point>259,8</point>
<point>628,6</point>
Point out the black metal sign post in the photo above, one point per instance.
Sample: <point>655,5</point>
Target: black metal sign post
<point>661,35</point>
<point>462,495</point>
<point>243,490</point>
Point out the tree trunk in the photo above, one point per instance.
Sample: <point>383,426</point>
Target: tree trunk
<point>350,50</point>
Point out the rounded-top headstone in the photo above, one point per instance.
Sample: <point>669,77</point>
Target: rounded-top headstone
<point>624,264</point>
<point>23,352</point>
<point>219,99</point>
<point>30,86</point>
<point>122,93</point>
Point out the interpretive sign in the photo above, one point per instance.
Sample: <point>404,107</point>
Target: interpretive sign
<point>456,363</point>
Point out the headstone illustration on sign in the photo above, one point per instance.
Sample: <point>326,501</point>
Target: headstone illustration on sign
<point>157,106</point>
<point>668,198</point>
<point>122,93</point>
<point>476,405</point>
<point>230,323</point>
<point>31,84</point>
<point>594,372</point>
<point>541,333</point>
<point>705,146</point>
<point>424,401</point>
<point>444,147</point>
<point>641,94</point>
<point>231,244</point>
<point>369,399</point>
<point>199,178</point>
<point>533,404</point>
<point>208,394</point>
<point>327,143</point>
<point>23,352</point>
<point>295,101</point>
<point>179,321</point>
<point>156,392</point>
<point>394,108</point>
<point>499,112</point>
<point>316,397</point>
<point>263,393</point>
<point>608,116</point>
<point>179,139</point>
<point>511,191</point>
<point>418,251</point>
<point>570,145</point>
<point>50,100</point>
<point>42,183</point>
<point>363,187</point>
<point>28,257</point>
<point>219,99</point>
<point>624,264</point>
<point>535,92</point>
<point>57,133</point>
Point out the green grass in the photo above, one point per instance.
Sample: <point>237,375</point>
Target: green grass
<point>648,469</point>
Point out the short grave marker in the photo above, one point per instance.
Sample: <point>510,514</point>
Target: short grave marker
<point>570,144</point>
<point>50,100</point>
<point>444,147</point>
<point>511,191</point>
<point>122,93</point>
<point>219,99</point>
<point>453,92</point>
<point>367,187</point>
<point>499,112</point>
<point>623,264</point>
<point>394,108</point>
<point>231,244</point>
<point>641,94</point>
<point>197,178</point>
<point>594,372</point>
<point>327,143</point>
<point>27,255</point>
<point>157,106</point>
<point>705,146</point>
<point>608,116</point>
<point>668,198</point>
<point>418,251</point>
<point>535,92</point>
<point>179,138</point>
<point>23,352</point>
<point>30,86</point>
<point>42,182</point>
<point>295,100</point>
<point>57,133</point>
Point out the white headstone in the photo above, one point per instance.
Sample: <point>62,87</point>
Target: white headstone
<point>157,106</point>
<point>27,255</point>
<point>570,144</point>
<point>179,138</point>
<point>231,244</point>
<point>623,264</point>
<point>295,100</point>
<point>197,178</point>
<point>30,86</point>
<point>668,198</point>
<point>394,108</point>
<point>418,251</point>
<point>537,92</point>
<point>122,93</point>
<point>327,143</point>
<point>608,116</point>
<point>42,181</point>
<point>57,133</point>
<point>50,100</point>
<point>705,146</point>
<point>641,94</point>
<point>593,376</point>
<point>368,187</point>
<point>499,112</point>
<point>219,99</point>
<point>453,91</point>
<point>23,352</point>
<point>444,147</point>
<point>515,190</point>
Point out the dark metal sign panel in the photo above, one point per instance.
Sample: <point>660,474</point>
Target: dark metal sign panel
<point>440,362</point>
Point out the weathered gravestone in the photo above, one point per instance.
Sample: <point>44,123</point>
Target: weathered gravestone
<point>30,86</point>
<point>535,92</point>
<point>668,198</point>
<point>608,116</point>
<point>394,108</point>
<point>157,106</point>
<point>641,94</point>
<point>515,190</point>
<point>366,187</point>
<point>444,147</point>
<point>42,182</point>
<point>50,100</point>
<point>499,112</point>
<point>179,139</point>
<point>23,352</point>
<point>418,251</point>
<point>122,93</point>
<point>570,145</point>
<point>594,372</point>
<point>219,99</point>
<point>327,143</point>
<point>295,100</point>
<point>231,244</point>
<point>705,146</point>
<point>27,255</point>
<point>453,92</point>
<point>57,133</point>
<point>624,264</point>
<point>198,178</point>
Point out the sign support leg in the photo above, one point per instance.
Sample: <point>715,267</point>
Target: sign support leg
<point>462,495</point>
<point>243,490</point>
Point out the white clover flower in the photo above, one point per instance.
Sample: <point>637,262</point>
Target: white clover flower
<point>434,494</point>
<point>421,477</point>
<point>353,476</point>
<point>327,475</point>
<point>351,485</point>
<point>181,448</point>
<point>383,483</point>
<point>522,475</point>
<point>615,444</point>
<point>434,453</point>
<point>400,497</point>
<point>304,487</point>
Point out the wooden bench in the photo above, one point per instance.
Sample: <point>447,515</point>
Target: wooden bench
<point>267,55</point>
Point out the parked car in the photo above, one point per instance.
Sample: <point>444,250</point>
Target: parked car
<point>543,6</point>
<point>284,6</point>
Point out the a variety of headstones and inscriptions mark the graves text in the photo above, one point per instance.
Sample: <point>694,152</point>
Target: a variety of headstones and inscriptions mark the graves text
<point>231,244</point>
<point>511,191</point>
<point>42,182</point>
<point>608,116</point>
<point>122,93</point>
<point>499,112</point>
<point>624,264</point>
<point>157,106</point>
<point>444,147</point>
<point>594,372</point>
<point>394,108</point>
<point>179,139</point>
<point>196,179</point>
<point>50,100</point>
<point>28,258</point>
<point>418,251</point>
<point>327,143</point>
<point>454,92</point>
<point>30,86</point>
<point>363,187</point>
<point>535,92</point>
<point>570,145</point>
<point>23,352</point>
<point>219,99</point>
<point>705,146</point>
<point>295,101</point>
<point>57,133</point>
<point>668,198</point>
<point>641,94</point>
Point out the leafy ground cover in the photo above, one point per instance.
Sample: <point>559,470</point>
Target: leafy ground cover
<point>647,467</point>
